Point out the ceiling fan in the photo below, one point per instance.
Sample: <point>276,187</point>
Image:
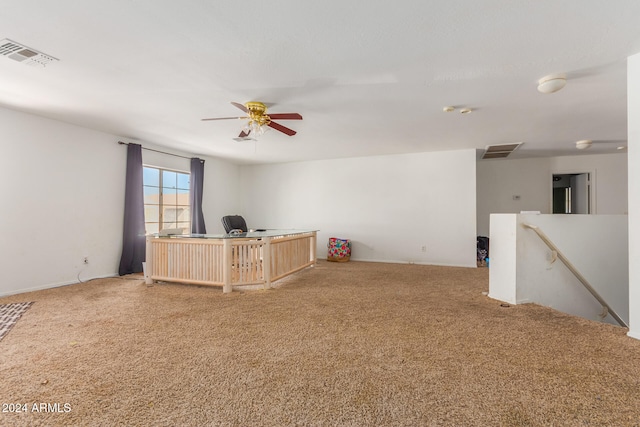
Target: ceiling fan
<point>259,120</point>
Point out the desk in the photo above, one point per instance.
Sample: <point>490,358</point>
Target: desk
<point>229,261</point>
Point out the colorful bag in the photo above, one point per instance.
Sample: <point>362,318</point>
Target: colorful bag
<point>339,250</point>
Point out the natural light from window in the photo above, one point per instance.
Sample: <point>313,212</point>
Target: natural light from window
<point>166,200</point>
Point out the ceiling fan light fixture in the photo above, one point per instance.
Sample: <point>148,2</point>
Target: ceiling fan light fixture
<point>583,144</point>
<point>552,83</point>
<point>254,129</point>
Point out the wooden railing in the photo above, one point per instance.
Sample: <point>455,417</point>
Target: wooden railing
<point>290,254</point>
<point>228,262</point>
<point>193,261</point>
<point>246,262</point>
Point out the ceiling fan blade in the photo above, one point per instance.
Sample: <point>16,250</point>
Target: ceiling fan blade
<point>282,129</point>
<point>225,118</point>
<point>240,106</point>
<point>285,116</point>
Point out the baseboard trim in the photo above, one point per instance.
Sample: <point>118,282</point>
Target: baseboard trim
<point>392,261</point>
<point>634,334</point>
<point>53,285</point>
<point>493,297</point>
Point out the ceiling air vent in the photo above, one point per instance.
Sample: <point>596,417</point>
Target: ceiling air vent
<point>24,54</point>
<point>499,151</point>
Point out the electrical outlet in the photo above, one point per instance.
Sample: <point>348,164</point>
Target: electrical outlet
<point>86,260</point>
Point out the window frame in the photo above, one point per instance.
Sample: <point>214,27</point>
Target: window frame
<point>162,205</point>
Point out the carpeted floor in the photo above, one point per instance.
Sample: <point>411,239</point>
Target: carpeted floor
<point>340,344</point>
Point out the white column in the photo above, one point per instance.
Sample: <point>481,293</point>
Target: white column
<point>503,259</point>
<point>633,158</point>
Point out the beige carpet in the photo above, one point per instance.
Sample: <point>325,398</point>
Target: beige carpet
<point>341,344</point>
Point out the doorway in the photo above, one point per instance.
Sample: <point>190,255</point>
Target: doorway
<point>572,193</point>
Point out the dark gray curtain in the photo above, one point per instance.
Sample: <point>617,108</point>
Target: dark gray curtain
<point>195,196</point>
<point>133,239</point>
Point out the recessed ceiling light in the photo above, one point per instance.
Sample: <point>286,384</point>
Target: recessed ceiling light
<point>448,109</point>
<point>552,83</point>
<point>466,111</point>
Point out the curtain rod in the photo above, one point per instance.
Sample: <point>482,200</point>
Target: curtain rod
<point>157,151</point>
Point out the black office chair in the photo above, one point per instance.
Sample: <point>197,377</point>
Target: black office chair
<point>234,222</point>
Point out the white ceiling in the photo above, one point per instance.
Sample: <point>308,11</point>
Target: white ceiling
<point>369,78</point>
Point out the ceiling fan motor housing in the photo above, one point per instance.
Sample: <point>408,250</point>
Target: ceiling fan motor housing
<point>257,112</point>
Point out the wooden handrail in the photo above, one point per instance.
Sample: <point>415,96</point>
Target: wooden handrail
<point>606,307</point>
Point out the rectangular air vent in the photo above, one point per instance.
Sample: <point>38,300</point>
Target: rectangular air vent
<point>26,55</point>
<point>499,151</point>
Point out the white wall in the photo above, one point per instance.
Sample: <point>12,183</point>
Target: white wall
<point>633,112</point>
<point>531,179</point>
<point>388,206</point>
<point>221,192</point>
<point>62,199</point>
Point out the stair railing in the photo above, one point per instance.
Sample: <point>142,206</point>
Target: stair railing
<point>606,308</point>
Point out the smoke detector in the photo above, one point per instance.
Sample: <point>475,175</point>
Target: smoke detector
<point>552,83</point>
<point>26,55</point>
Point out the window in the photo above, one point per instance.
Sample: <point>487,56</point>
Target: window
<point>166,199</point>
